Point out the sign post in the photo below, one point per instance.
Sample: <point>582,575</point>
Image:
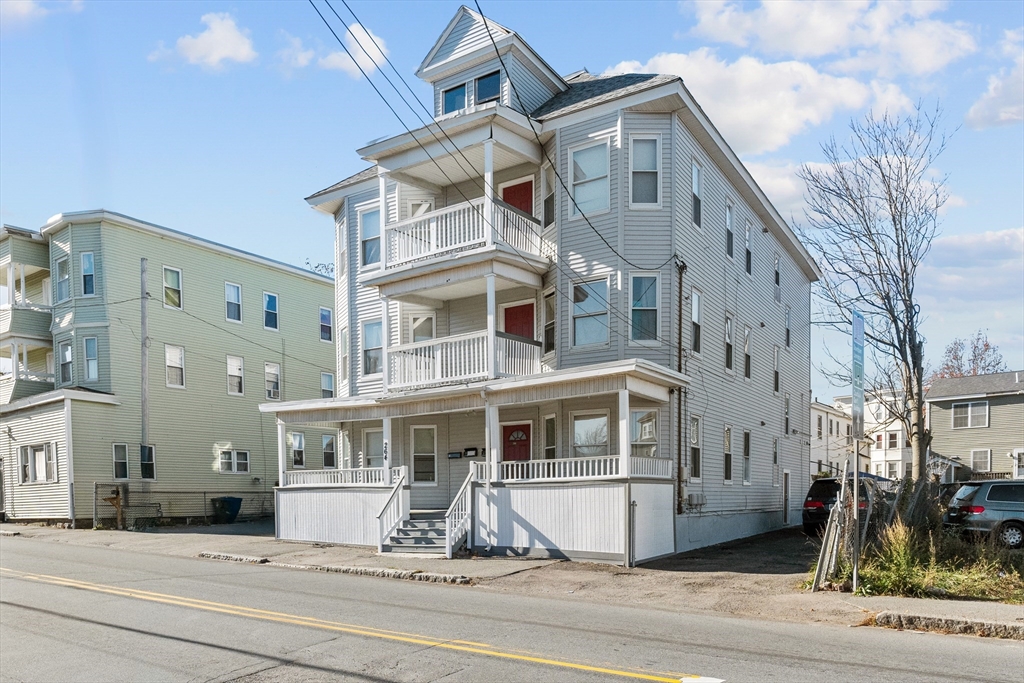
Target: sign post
<point>857,410</point>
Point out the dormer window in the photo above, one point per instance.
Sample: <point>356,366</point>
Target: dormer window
<point>454,99</point>
<point>488,87</point>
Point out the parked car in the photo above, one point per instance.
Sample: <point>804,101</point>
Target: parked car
<point>989,507</point>
<point>824,493</point>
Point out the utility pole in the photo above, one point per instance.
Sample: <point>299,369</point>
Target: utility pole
<point>144,324</point>
<point>857,410</point>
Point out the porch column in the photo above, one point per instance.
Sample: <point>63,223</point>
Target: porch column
<point>15,361</point>
<point>24,299</point>
<point>10,285</point>
<point>492,328</point>
<point>385,330</point>
<point>624,432</point>
<point>24,359</point>
<point>493,438</point>
<point>489,192</point>
<point>282,454</point>
<point>386,438</point>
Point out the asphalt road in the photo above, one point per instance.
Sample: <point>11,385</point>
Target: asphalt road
<point>88,614</point>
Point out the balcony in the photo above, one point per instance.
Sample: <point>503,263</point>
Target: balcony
<point>459,359</point>
<point>25,320</point>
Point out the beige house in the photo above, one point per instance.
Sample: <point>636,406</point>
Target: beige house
<point>84,416</point>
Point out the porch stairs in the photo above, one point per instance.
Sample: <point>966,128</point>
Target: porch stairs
<point>423,532</point>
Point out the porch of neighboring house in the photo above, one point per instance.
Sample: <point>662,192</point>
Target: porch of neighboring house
<point>572,463</point>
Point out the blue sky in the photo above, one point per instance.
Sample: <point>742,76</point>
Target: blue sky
<point>217,118</point>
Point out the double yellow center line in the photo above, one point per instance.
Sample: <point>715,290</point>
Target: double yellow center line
<point>365,631</point>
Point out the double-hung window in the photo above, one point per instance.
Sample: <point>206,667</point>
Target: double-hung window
<point>343,366</point>
<point>695,321</point>
<point>589,171</point>
<point>373,348</point>
<point>175,366</point>
<point>453,99</point>
<point>589,435</point>
<point>746,457</point>
<point>37,463</point>
<point>727,459</point>
<point>728,231</point>
<point>550,438</point>
<point>788,318</point>
<point>120,460</point>
<point>233,302</point>
<point>775,462</point>
<point>695,188</point>
<point>272,380</point>
<point>298,449</point>
<point>424,455</point>
<point>64,353</point>
<point>778,282</point>
<point>488,87</point>
<point>236,383</point>
<point>785,419</point>
<point>92,363</point>
<point>967,415</point>
<point>88,274</point>
<point>63,280</point>
<point>775,372</point>
<point>147,462</point>
<point>234,462</point>
<point>326,324</point>
<point>644,299</point>
<point>746,351</point>
<point>819,428</point>
<point>695,447</point>
<point>330,451</point>
<point>549,323</point>
<point>590,313</point>
<point>728,341</point>
<point>644,176</point>
<point>549,196</point>
<point>894,439</point>
<point>981,460</point>
<point>270,321</point>
<point>643,433</point>
<point>172,287</point>
<point>369,237</point>
<point>326,385</point>
<point>878,442</point>
<point>373,448</point>
<point>746,241</point>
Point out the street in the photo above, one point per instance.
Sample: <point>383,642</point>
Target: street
<point>86,614</point>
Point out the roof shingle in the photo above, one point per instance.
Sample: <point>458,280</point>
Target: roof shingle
<point>977,385</point>
<point>586,91</point>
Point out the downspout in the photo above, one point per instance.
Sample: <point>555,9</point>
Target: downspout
<point>71,460</point>
<point>680,434</point>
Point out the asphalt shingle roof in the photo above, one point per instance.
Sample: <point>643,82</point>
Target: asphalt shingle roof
<point>365,174</point>
<point>996,383</point>
<point>586,91</point>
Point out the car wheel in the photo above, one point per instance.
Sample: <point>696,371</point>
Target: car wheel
<point>1011,535</point>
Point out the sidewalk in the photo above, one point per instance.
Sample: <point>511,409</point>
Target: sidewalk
<point>757,578</point>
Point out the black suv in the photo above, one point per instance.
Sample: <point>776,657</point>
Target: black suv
<point>823,495</point>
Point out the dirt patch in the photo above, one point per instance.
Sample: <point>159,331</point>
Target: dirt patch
<point>754,577</point>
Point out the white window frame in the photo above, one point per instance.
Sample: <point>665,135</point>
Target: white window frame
<point>785,415</point>
<point>330,324</point>
<point>114,461</point>
<point>465,98</point>
<point>241,374</point>
<point>343,368</point>
<point>413,202</point>
<point>729,347</point>
<point>234,461</point>
<point>545,322</point>
<point>364,348</point>
<point>696,436</point>
<point>413,454</point>
<point>548,189</point>
<point>730,232</point>
<point>365,451</point>
<point>639,443</point>
<point>788,333</point>
<point>696,311</point>
<point>657,307</point>
<point>66,279</point>
<point>748,255</point>
<point>892,440</point>
<point>775,462</point>
<point>152,450</point>
<point>777,280</point>
<point>572,430</point>
<point>360,212</point>
<point>27,471</point>
<point>323,450</point>
<point>60,363</point>
<point>414,318</point>
<point>167,381</point>
<point>748,448</point>
<point>657,171</point>
<point>607,313</point>
<point>227,301</point>
<point>820,430</point>
<point>748,353</point>
<point>333,389</point>
<point>988,459</point>
<point>164,288</point>
<point>277,311</point>
<point>91,273</point>
<point>291,445</point>
<point>970,405</point>
<point>544,437</point>
<point>776,372</point>
<point>92,372</point>
<point>476,88</point>
<point>516,181</point>
<point>697,208</point>
<point>727,455</point>
<point>266,367</point>
<point>345,448</point>
<point>574,213</point>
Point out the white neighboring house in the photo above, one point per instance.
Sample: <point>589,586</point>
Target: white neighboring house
<point>832,440</point>
<point>524,289</point>
<point>891,455</point>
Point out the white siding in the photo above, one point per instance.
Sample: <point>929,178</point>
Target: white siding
<point>326,515</point>
<point>655,532</point>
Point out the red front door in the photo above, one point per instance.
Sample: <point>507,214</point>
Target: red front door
<point>519,320</point>
<point>519,196</point>
<point>515,441</point>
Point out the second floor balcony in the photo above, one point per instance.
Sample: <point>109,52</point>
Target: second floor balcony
<point>461,358</point>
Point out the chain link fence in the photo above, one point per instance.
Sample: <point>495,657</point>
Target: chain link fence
<point>119,505</point>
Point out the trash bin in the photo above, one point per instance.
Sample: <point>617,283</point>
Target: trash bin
<point>225,509</point>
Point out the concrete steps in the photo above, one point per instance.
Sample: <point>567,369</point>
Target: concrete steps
<point>423,532</point>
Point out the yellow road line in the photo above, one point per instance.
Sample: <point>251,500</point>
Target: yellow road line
<point>366,631</point>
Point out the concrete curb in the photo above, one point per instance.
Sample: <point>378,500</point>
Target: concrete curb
<point>404,574</point>
<point>972,627</point>
<point>227,557</point>
<point>5,532</point>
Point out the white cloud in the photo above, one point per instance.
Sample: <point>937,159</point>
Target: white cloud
<point>360,43</point>
<point>757,106</point>
<point>889,98</point>
<point>294,56</point>
<point>15,13</point>
<point>221,41</point>
<point>888,37</point>
<point>1003,103</point>
<point>782,186</point>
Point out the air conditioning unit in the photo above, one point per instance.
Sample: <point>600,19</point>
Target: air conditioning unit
<point>695,500</point>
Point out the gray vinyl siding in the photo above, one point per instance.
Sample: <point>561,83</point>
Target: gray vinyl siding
<point>364,302</point>
<point>35,500</point>
<point>528,83</point>
<point>466,36</point>
<point>1004,433</point>
<point>468,77</point>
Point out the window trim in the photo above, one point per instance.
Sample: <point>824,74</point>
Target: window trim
<point>95,359</point>
<point>234,460</point>
<point>113,460</point>
<point>700,448</point>
<point>748,447</point>
<point>969,404</point>
<point>365,451</point>
<point>775,463</point>
<point>730,343</point>
<point>697,208</point>
<point>181,288</point>
<point>574,214</point>
<point>292,448</point>
<point>643,206</point>
<point>58,280</point>
<point>777,284</point>
<point>545,322</point>
<point>748,264</point>
<point>324,451</point>
<point>696,303</point>
<point>27,473</point>
<point>573,414</point>
<point>363,348</point>
<point>60,363</point>
<point>241,369</point>
<point>476,88</point>
<point>465,98</point>
<point>277,311</point>
<point>727,455</point>
<point>343,369</point>
<point>370,207</point>
<point>278,366</point>
<point>777,371</point>
<point>152,450</point>
<point>788,333</point>
<point>330,325</point>
<point>657,441</point>
<point>226,302</point>
<point>730,233</point>
<point>785,416</point>
<point>748,353</point>
<point>92,273</point>
<point>334,388</point>
<point>544,444</point>
<point>166,366</point>
<point>607,313</point>
<point>657,307</point>
<point>518,181</point>
<point>412,455</point>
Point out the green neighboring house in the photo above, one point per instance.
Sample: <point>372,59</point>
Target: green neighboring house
<point>978,422</point>
<point>228,330</point>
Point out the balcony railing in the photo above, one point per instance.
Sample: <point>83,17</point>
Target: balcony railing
<point>565,469</point>
<point>357,476</point>
<point>459,228</point>
<point>460,358</point>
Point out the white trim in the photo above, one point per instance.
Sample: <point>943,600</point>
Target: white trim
<point>85,359</point>
<point>267,363</point>
<point>748,351</point>
<point>544,436</point>
<point>69,447</point>
<point>181,288</point>
<point>241,369</point>
<point>532,179</point>
<point>700,447</point>
<point>59,362</point>
<point>379,205</point>
<point>988,457</point>
<point>277,304</point>
<point>82,273</point>
<point>969,404</point>
<point>658,170</point>
<point>700,193</point>
<point>363,348</point>
<point>698,300</point>
<point>320,332</point>
<point>226,302</point>
<point>607,313</point>
<point>729,343</point>
<point>573,414</point>
<point>551,291</point>
<point>58,395</point>
<point>113,461</point>
<point>323,451</point>
<point>732,463</point>
<point>501,437</point>
<point>334,385</point>
<point>234,460</point>
<point>166,382</point>
<point>605,140</point>
<point>513,304</point>
<point>364,449</point>
<point>412,455</point>
<point>656,274</point>
<point>153,449</point>
<point>56,281</point>
<point>412,317</point>
<point>291,447</point>
<point>408,205</point>
<point>730,228</point>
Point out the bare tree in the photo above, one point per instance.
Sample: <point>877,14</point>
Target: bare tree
<point>968,357</point>
<point>872,213</point>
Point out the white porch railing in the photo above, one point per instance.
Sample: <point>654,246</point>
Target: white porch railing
<point>458,228</point>
<point>563,469</point>
<point>360,476</point>
<point>517,356</point>
<point>393,512</point>
<point>459,518</point>
<point>642,466</point>
<point>460,357</point>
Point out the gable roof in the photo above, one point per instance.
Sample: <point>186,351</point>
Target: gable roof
<point>977,385</point>
<point>465,26</point>
<point>354,179</point>
<point>586,91</point>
